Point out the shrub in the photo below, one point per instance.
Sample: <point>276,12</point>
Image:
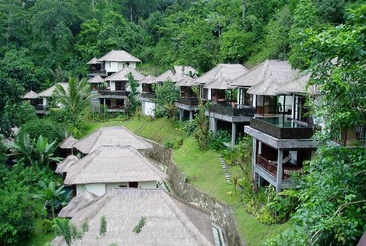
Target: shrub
<point>47,128</point>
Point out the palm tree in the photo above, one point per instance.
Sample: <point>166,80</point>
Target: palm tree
<point>75,99</point>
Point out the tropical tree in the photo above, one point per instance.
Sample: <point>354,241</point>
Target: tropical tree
<point>54,196</point>
<point>332,196</point>
<point>165,96</point>
<point>75,100</point>
<point>133,101</point>
<point>35,152</point>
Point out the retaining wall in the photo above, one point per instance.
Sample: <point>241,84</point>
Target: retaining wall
<point>221,213</point>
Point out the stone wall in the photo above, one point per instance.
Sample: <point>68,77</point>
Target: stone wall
<point>221,213</point>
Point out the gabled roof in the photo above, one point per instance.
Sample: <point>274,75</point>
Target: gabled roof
<point>228,71</point>
<point>113,164</point>
<point>167,75</point>
<point>77,203</point>
<point>96,79</point>
<point>118,55</point>
<point>93,61</point>
<point>123,75</point>
<point>116,135</point>
<point>176,74</point>
<point>269,76</point>
<point>68,143</point>
<point>186,81</point>
<point>148,80</point>
<point>64,165</point>
<point>168,220</point>
<point>220,83</point>
<point>31,95</point>
<point>48,92</point>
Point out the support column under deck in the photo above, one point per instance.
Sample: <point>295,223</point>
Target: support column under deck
<point>279,170</point>
<point>181,113</point>
<point>190,115</point>
<point>233,134</point>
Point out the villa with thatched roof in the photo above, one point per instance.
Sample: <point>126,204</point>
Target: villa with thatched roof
<point>224,112</point>
<point>114,135</point>
<point>111,62</point>
<point>281,136</point>
<point>108,77</point>
<point>114,166</point>
<point>46,95</point>
<point>142,217</point>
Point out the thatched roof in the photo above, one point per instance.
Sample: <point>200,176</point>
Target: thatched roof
<point>68,143</point>
<point>93,61</point>
<point>113,164</point>
<point>167,75</point>
<point>148,80</point>
<point>64,165</point>
<point>116,135</point>
<point>220,83</point>
<point>31,95</point>
<point>269,76</point>
<point>77,203</point>
<point>186,81</point>
<point>96,79</point>
<point>49,91</point>
<point>298,86</point>
<point>118,55</point>
<point>175,74</point>
<point>123,75</point>
<point>169,220</point>
<point>229,71</point>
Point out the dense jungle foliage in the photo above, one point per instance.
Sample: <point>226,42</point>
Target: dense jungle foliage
<point>47,41</point>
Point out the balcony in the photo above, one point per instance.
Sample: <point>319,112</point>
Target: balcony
<point>112,94</point>
<point>148,95</point>
<point>282,127</point>
<point>232,110</point>
<point>95,72</point>
<point>270,166</point>
<point>191,101</point>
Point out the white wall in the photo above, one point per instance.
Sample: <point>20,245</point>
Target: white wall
<point>113,67</point>
<point>80,189</point>
<point>147,185</point>
<point>148,108</point>
<point>97,189</point>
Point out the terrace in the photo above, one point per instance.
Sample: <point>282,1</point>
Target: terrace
<point>282,127</point>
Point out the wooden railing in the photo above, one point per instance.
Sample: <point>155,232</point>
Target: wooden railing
<point>268,165</point>
<point>271,167</point>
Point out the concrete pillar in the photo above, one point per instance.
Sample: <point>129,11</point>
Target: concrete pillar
<point>279,170</point>
<point>181,114</point>
<point>213,125</point>
<point>190,115</point>
<point>233,134</point>
<point>254,157</point>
